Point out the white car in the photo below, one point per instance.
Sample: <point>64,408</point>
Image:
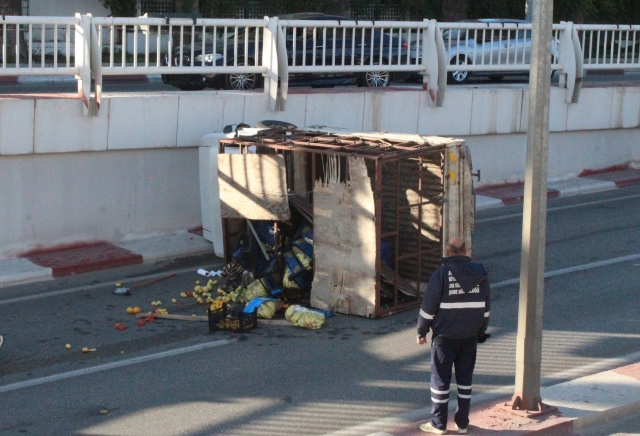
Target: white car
<point>506,45</point>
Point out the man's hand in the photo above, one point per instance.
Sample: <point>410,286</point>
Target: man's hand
<point>422,341</point>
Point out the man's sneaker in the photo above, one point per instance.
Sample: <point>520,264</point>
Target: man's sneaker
<point>461,430</point>
<point>428,428</point>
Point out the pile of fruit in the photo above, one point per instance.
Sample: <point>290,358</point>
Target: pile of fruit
<point>229,324</point>
<point>267,310</point>
<point>305,262</point>
<point>202,294</point>
<point>217,296</point>
<point>303,317</point>
<point>254,290</point>
<point>217,304</point>
<point>244,295</point>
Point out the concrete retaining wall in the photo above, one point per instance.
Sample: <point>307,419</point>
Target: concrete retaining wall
<point>47,200</point>
<point>133,170</point>
<point>501,158</point>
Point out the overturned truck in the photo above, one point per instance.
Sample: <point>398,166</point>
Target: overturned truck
<point>380,207</point>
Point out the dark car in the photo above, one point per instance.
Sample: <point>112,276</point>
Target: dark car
<point>369,46</point>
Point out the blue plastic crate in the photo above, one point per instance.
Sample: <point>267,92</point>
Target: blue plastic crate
<point>298,273</point>
<point>264,229</point>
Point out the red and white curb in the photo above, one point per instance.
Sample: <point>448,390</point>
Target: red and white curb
<point>47,265</point>
<point>500,195</point>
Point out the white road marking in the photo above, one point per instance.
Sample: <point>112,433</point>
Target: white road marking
<point>572,269</point>
<point>90,287</point>
<point>553,209</point>
<point>112,365</point>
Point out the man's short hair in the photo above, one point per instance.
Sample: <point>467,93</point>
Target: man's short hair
<point>462,249</point>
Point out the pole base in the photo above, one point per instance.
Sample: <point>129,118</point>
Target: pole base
<point>521,408</point>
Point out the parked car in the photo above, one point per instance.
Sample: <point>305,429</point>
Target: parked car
<point>487,47</point>
<point>391,47</point>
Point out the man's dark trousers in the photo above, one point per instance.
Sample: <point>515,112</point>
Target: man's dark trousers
<point>445,354</point>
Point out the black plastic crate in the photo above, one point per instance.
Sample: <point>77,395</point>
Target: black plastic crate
<point>247,256</point>
<point>270,275</point>
<point>238,321</point>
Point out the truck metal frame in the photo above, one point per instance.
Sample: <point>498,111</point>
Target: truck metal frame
<point>421,193</point>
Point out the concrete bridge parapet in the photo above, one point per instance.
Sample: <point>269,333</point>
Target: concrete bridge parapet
<point>133,170</point>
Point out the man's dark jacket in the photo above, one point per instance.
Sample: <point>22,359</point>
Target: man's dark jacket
<point>456,303</point>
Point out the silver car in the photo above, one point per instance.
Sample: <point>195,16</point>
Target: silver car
<point>492,46</point>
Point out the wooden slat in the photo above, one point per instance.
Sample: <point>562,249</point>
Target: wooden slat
<point>261,322</point>
<point>176,317</point>
<point>253,186</point>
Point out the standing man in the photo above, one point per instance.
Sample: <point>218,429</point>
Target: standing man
<point>456,309</point>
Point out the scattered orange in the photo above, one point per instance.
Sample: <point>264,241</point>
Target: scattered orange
<point>129,310</point>
<point>136,310</point>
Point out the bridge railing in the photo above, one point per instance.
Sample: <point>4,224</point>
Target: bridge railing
<point>350,46</point>
<point>609,46</point>
<point>34,46</point>
<point>89,48</point>
<point>179,46</point>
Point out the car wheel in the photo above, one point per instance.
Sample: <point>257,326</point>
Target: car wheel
<point>374,79</point>
<point>241,81</point>
<point>190,87</point>
<point>275,124</point>
<point>496,78</point>
<point>456,77</point>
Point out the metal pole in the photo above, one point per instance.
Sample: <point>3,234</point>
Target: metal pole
<point>529,342</point>
<point>528,10</point>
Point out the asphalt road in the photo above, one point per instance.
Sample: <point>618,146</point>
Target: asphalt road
<point>172,377</point>
<point>629,78</point>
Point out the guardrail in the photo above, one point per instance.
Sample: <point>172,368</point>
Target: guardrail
<point>41,46</point>
<point>609,46</point>
<point>347,46</point>
<point>160,46</point>
<point>90,48</point>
